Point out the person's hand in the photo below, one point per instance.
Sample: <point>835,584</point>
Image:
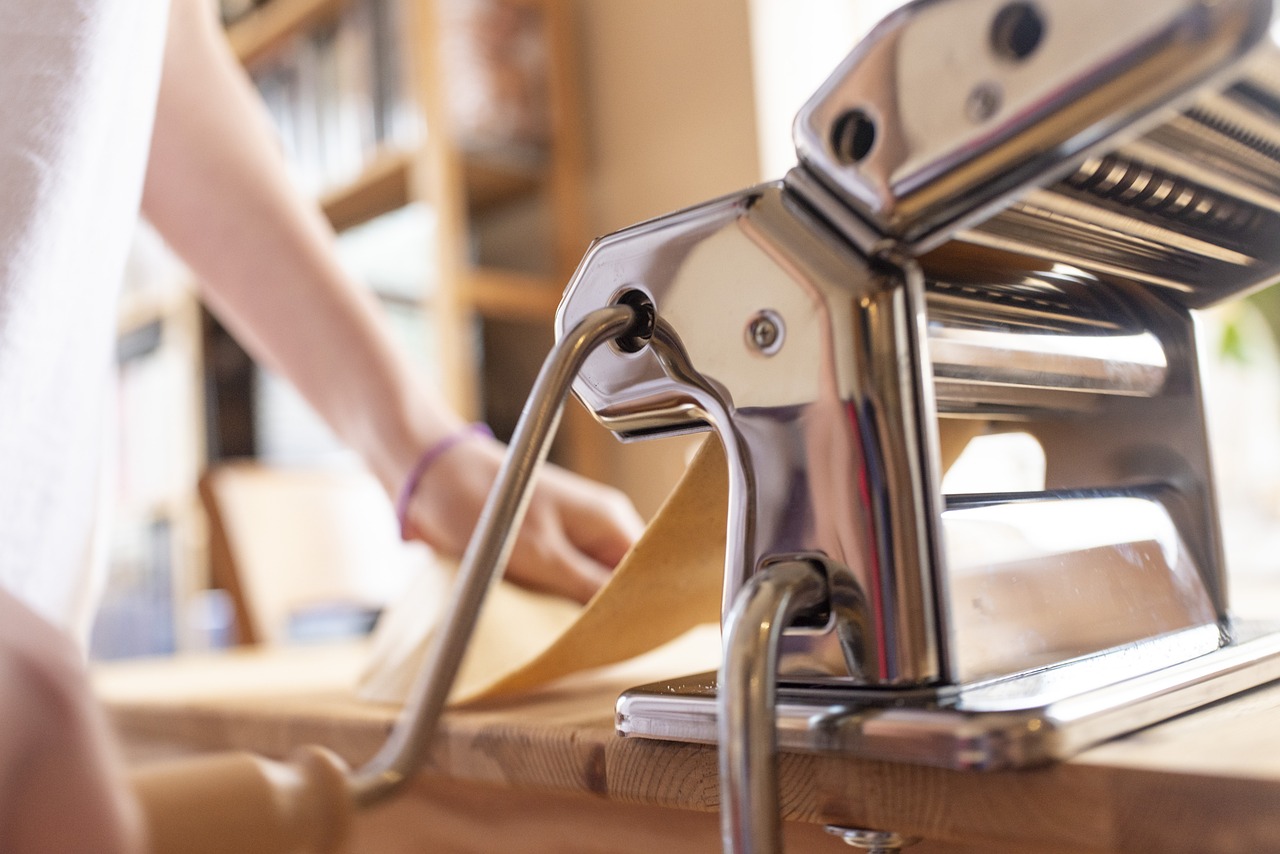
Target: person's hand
<point>574,534</point>
<point>62,786</point>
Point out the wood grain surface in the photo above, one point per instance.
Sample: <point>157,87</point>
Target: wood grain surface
<point>546,772</point>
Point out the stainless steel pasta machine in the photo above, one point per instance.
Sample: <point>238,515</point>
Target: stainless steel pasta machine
<point>1003,217</point>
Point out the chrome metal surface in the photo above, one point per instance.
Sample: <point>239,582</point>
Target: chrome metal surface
<point>829,430</point>
<point>770,601</point>
<point>830,433</point>
<point>1033,329</point>
<point>486,556</point>
<point>872,841</point>
<point>1036,579</point>
<point>956,123</point>
<point>1190,208</point>
<point>1018,722</point>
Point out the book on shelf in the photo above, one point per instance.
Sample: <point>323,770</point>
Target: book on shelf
<point>496,53</point>
<point>398,121</point>
<point>137,613</point>
<point>157,453</point>
<point>339,94</point>
<point>157,458</point>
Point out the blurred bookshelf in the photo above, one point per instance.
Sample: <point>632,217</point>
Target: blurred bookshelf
<point>441,139</point>
<point>157,550</point>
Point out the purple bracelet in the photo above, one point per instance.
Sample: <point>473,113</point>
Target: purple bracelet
<point>428,458</point>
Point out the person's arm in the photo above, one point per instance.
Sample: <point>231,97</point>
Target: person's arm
<point>62,786</point>
<point>217,190</point>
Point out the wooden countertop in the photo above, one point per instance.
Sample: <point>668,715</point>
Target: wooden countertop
<point>1205,782</point>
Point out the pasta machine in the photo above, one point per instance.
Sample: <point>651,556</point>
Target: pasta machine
<point>1002,219</point>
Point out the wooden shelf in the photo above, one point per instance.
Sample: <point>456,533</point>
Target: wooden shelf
<point>494,178</point>
<point>139,309</point>
<point>384,186</point>
<point>514,296</point>
<point>266,27</point>
<point>387,183</point>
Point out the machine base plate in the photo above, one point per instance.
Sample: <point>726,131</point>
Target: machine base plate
<point>1015,722</point>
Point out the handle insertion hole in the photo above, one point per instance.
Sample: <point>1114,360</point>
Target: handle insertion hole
<point>637,336</point>
<point>852,136</point>
<point>1016,32</point>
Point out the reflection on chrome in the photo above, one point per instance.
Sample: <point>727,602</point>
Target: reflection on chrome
<point>1045,578</point>
<point>1112,364</point>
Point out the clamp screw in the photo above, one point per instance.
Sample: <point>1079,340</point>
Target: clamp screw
<point>765,332</point>
<point>872,841</point>
<point>983,103</point>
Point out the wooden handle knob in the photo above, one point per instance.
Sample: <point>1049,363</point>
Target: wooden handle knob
<point>239,803</point>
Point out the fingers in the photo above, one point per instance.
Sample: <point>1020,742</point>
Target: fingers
<point>604,530</point>
<point>573,574</point>
<point>574,535</point>
<point>598,520</point>
<point>575,531</point>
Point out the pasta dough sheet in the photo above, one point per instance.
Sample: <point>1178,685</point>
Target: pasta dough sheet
<point>668,584</point>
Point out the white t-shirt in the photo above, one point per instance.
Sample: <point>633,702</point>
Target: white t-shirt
<point>78,82</point>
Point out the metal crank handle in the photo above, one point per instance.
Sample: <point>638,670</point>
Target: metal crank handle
<point>768,602</point>
<point>238,803</point>
<point>487,553</point>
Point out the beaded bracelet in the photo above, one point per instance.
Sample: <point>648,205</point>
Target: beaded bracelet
<point>428,458</point>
